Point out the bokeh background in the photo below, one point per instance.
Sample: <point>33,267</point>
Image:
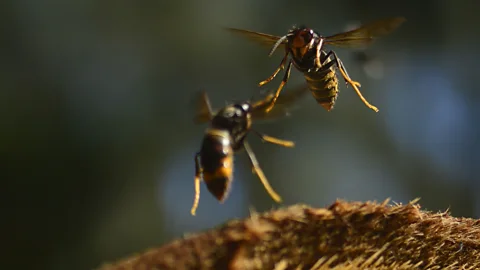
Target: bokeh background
<point>97,137</point>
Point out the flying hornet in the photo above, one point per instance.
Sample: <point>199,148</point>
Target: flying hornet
<point>306,47</point>
<point>227,134</point>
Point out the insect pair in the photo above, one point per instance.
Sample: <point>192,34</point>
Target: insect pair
<point>231,124</point>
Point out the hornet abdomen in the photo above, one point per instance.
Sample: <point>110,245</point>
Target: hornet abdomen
<point>323,85</point>
<point>216,157</point>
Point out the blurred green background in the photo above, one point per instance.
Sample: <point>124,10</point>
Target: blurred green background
<point>97,138</point>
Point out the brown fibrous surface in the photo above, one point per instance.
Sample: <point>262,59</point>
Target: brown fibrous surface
<point>346,235</point>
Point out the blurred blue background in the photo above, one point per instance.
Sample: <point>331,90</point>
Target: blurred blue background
<point>98,140</point>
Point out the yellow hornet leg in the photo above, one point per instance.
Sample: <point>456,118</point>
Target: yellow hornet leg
<point>353,83</point>
<point>197,184</point>
<point>280,67</point>
<point>274,140</point>
<point>277,93</point>
<point>260,174</point>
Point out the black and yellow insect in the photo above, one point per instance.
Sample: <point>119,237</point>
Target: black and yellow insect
<point>226,135</point>
<point>306,47</point>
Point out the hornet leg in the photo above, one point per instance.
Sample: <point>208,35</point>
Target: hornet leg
<point>274,140</point>
<point>318,52</point>
<point>348,80</point>
<point>277,93</point>
<point>280,67</point>
<point>198,171</point>
<point>259,172</point>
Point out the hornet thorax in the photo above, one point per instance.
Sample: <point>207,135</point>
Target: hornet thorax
<point>236,119</point>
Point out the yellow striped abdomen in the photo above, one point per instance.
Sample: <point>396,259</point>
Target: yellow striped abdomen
<point>323,85</point>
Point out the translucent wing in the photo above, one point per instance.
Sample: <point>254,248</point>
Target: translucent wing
<point>260,38</point>
<point>283,106</point>
<point>365,34</point>
<point>204,111</point>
